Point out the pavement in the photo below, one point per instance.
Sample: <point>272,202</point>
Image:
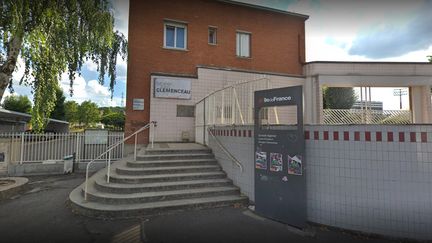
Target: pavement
<point>41,214</point>
<point>239,225</point>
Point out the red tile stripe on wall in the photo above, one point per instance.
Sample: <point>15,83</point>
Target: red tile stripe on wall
<point>367,136</point>
<point>414,137</point>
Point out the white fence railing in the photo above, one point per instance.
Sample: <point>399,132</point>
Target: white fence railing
<point>25,147</point>
<point>233,105</point>
<point>354,116</point>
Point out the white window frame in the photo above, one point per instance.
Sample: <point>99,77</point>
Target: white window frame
<point>215,35</point>
<point>238,44</point>
<point>175,25</point>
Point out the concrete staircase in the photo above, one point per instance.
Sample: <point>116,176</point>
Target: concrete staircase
<point>167,178</point>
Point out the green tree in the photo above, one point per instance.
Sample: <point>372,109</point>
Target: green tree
<point>59,108</point>
<point>54,37</point>
<point>429,58</point>
<point>338,98</point>
<point>88,113</point>
<point>115,120</point>
<point>71,111</point>
<point>17,103</point>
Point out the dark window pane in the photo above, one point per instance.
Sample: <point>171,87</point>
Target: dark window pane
<point>180,37</point>
<point>169,38</point>
<point>212,36</point>
<point>185,111</point>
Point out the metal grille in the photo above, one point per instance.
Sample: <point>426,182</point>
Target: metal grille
<point>354,116</point>
<point>230,106</point>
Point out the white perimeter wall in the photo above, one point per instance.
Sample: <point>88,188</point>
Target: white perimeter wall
<point>375,179</point>
<point>164,111</point>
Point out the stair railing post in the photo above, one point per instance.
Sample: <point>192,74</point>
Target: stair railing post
<point>109,167</point>
<point>135,148</point>
<point>152,130</point>
<point>86,182</point>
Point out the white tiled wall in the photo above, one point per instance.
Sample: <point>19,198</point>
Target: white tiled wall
<point>371,186</point>
<point>164,112</point>
<point>242,149</point>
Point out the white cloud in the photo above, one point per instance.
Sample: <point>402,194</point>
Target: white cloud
<point>91,66</point>
<point>121,16</point>
<point>91,90</point>
<point>334,25</point>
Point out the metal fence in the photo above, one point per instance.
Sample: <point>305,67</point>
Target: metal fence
<point>25,147</point>
<point>366,116</point>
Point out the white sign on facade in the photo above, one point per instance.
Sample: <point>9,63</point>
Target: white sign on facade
<point>138,104</point>
<point>173,88</point>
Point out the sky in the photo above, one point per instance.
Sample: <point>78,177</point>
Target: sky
<point>337,30</point>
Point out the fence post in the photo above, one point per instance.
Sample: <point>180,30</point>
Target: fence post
<point>77,148</point>
<point>22,148</point>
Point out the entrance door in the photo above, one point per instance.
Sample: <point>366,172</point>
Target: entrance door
<point>280,183</point>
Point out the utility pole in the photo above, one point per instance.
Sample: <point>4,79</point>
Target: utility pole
<point>122,100</point>
<point>400,93</point>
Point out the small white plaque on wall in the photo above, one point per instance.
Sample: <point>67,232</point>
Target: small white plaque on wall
<point>138,104</point>
<point>173,88</point>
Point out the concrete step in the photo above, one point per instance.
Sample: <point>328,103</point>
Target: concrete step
<point>163,163</point>
<point>121,188</point>
<point>167,170</point>
<point>175,151</point>
<point>144,197</point>
<point>157,157</point>
<point>166,177</point>
<point>100,210</point>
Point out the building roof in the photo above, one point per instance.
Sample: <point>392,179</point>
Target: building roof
<point>13,116</point>
<point>248,5</point>
<point>367,62</point>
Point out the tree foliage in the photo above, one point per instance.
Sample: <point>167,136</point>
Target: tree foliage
<point>59,107</point>
<point>71,111</point>
<point>19,103</point>
<point>114,120</point>
<point>54,37</point>
<point>338,98</point>
<point>88,113</point>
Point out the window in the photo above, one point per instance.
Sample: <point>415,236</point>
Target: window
<point>278,118</point>
<point>212,37</point>
<point>243,44</point>
<point>175,36</point>
<point>185,111</point>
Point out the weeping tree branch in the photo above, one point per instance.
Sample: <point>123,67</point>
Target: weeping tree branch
<point>55,37</point>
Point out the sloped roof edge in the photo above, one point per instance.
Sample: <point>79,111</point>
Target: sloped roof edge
<point>248,5</point>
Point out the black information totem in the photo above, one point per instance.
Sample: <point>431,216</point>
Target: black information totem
<point>280,182</point>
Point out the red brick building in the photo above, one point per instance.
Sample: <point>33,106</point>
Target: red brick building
<point>171,39</point>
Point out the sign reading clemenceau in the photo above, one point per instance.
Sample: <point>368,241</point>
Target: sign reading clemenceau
<point>173,88</point>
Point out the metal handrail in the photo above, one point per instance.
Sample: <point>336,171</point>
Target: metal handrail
<point>149,125</point>
<point>234,159</point>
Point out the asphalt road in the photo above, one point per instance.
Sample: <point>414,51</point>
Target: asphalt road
<point>41,214</point>
<point>237,225</point>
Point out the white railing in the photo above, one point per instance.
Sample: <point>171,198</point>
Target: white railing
<point>233,105</point>
<point>107,153</point>
<point>366,116</point>
<point>29,148</point>
<point>225,150</point>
